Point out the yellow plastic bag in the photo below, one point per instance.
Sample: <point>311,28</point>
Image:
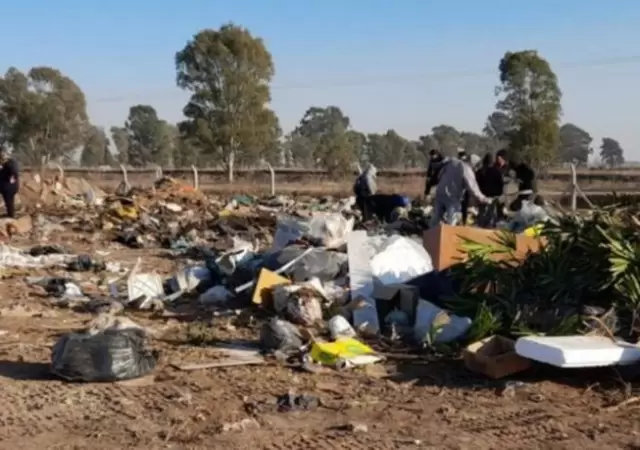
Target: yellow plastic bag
<point>534,231</point>
<point>345,352</point>
<point>126,212</point>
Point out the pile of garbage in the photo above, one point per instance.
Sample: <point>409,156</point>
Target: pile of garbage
<point>330,289</point>
<point>58,192</point>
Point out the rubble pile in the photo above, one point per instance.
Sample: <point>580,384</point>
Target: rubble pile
<point>323,290</point>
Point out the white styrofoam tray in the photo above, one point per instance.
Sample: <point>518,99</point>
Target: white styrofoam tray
<point>577,351</point>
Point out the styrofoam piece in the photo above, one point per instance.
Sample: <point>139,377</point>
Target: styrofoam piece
<point>426,313</point>
<point>577,351</point>
<point>360,251</point>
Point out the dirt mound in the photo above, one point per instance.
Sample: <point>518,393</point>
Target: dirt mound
<point>51,191</point>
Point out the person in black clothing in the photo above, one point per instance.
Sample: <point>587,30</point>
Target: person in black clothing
<point>491,183</point>
<point>436,161</point>
<point>9,181</point>
<point>383,205</point>
<point>525,177</point>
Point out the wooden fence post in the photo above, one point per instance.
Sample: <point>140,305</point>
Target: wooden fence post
<point>196,180</point>
<point>273,179</point>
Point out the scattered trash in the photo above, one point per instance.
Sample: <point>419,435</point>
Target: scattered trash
<point>229,356</point>
<point>495,357</point>
<point>301,402</point>
<point>577,351</point>
<point>344,353</point>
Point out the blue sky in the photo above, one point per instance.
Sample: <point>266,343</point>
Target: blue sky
<point>407,65</point>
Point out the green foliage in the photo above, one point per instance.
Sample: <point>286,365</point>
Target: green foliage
<point>585,262</point>
<point>530,100</point>
<point>120,138</point>
<point>575,144</point>
<point>447,139</point>
<point>95,151</point>
<point>227,72</point>
<point>389,150</point>
<point>43,114</point>
<point>149,138</point>
<point>326,132</point>
<point>611,152</point>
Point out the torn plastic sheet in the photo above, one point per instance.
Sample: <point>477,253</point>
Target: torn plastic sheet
<point>328,230</point>
<point>14,257</point>
<point>288,229</point>
<point>311,262</point>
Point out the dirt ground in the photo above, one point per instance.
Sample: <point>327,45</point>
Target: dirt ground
<point>407,404</point>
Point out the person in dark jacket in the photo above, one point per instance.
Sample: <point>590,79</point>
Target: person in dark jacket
<point>524,175</point>
<point>364,187</point>
<point>436,161</point>
<point>9,181</point>
<point>491,183</point>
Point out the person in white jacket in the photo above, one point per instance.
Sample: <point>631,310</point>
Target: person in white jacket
<point>456,177</point>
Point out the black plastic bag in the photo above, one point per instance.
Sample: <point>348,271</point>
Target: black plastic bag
<point>109,355</point>
<point>280,335</point>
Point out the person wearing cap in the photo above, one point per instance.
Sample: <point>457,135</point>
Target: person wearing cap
<point>9,181</point>
<point>364,187</point>
<point>455,178</point>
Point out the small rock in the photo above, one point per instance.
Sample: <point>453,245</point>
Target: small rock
<point>356,427</point>
<point>243,425</point>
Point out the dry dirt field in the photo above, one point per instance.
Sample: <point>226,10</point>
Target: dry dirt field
<point>403,404</point>
<point>409,404</point>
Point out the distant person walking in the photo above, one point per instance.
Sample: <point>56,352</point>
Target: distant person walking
<point>364,187</point>
<point>9,181</point>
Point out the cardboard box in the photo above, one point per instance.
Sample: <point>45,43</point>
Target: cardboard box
<point>267,280</point>
<point>443,243</point>
<point>401,296</point>
<point>494,357</point>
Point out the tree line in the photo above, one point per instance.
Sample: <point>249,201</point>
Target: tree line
<point>228,123</point>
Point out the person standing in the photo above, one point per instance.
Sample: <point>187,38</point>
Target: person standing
<point>525,176</point>
<point>456,176</point>
<point>491,183</point>
<point>436,161</point>
<point>9,181</point>
<point>364,187</point>
<point>474,161</point>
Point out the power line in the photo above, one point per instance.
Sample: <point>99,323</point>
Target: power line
<point>361,82</point>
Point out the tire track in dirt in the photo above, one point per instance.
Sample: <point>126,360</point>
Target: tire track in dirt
<point>34,409</point>
<point>330,442</point>
<point>525,427</point>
